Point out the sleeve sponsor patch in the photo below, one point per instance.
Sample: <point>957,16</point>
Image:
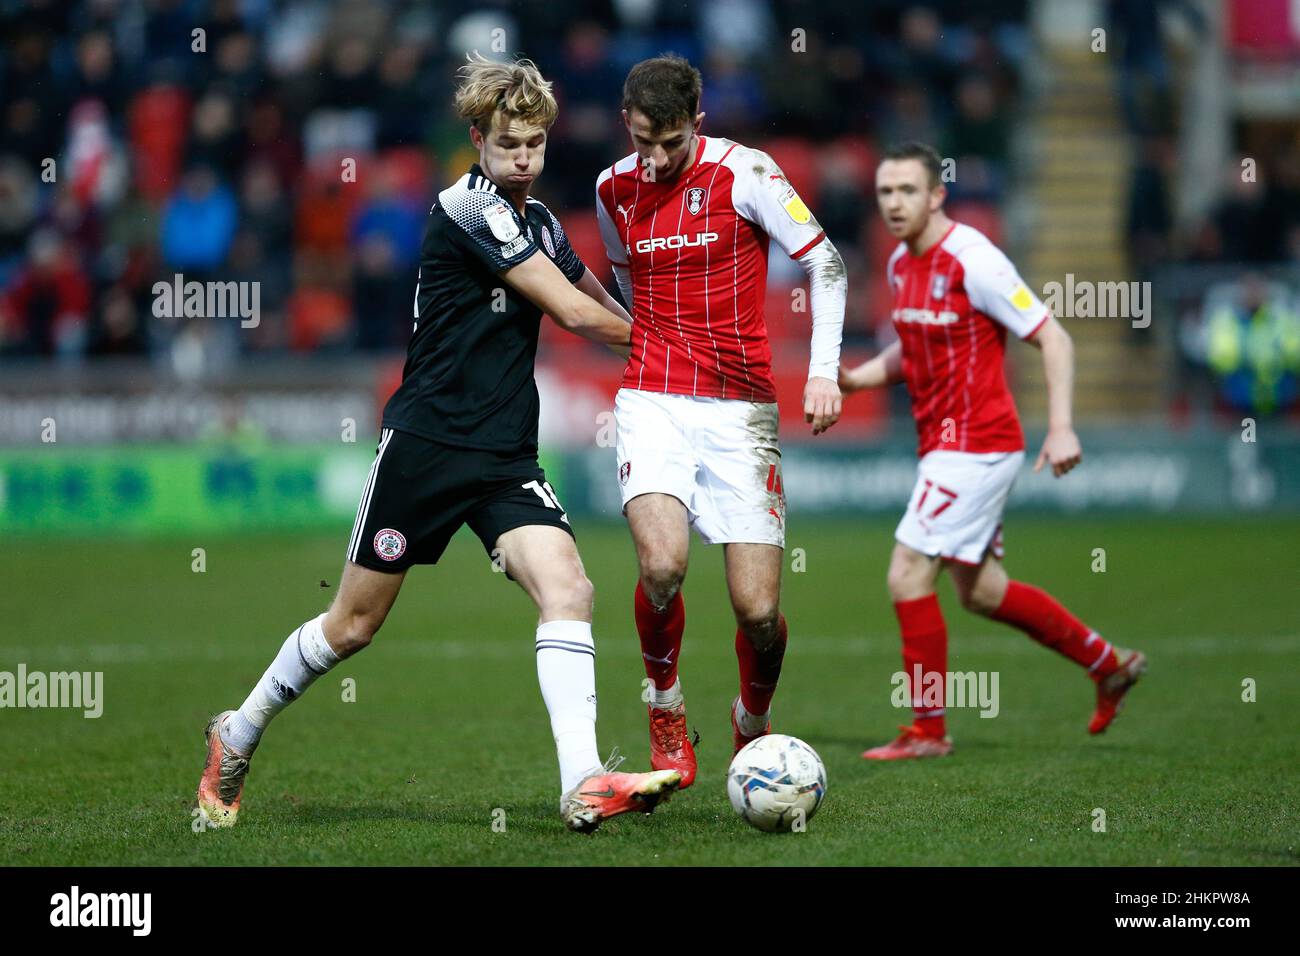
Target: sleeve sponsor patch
<point>501,221</point>
<point>794,206</point>
<point>512,249</point>
<point>789,199</point>
<point>1021,297</point>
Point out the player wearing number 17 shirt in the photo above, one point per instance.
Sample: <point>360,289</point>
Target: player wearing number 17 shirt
<point>955,298</point>
<point>687,222</point>
<point>459,447</point>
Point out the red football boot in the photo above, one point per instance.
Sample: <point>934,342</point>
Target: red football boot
<point>670,744</point>
<point>912,743</point>
<point>1112,688</point>
<point>222,785</point>
<point>607,793</point>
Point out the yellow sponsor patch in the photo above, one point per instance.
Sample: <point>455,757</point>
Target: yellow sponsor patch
<point>794,206</point>
<point>1021,297</point>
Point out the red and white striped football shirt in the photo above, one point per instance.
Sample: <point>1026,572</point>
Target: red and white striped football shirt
<point>952,308</point>
<point>696,247</point>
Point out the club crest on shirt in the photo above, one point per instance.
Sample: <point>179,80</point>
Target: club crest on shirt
<point>546,241</point>
<point>624,472</point>
<point>501,221</point>
<point>939,287</point>
<point>389,544</point>
<point>695,199</point>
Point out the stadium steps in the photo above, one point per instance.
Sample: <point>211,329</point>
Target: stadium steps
<point>1078,184</point>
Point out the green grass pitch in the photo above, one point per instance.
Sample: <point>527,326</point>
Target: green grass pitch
<point>448,725</point>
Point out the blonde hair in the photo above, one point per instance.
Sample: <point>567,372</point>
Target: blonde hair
<point>516,89</point>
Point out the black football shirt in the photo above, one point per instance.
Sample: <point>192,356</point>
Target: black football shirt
<point>468,379</point>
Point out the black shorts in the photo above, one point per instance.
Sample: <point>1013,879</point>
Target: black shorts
<point>419,493</point>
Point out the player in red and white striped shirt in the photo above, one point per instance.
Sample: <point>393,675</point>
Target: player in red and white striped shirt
<point>687,222</point>
<point>955,297</point>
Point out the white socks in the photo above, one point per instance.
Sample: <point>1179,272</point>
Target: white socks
<point>751,725</point>
<point>566,671</point>
<point>671,698</point>
<point>303,657</point>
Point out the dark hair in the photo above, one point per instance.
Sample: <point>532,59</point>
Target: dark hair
<point>927,155</point>
<point>666,89</point>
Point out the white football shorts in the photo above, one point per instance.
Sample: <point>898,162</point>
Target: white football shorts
<point>718,456</point>
<point>956,507</point>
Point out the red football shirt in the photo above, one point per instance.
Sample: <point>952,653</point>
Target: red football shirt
<point>696,247</point>
<point>952,308</point>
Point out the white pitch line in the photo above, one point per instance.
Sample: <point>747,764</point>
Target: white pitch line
<point>607,646</point>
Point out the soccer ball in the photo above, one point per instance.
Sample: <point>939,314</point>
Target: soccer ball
<point>776,781</point>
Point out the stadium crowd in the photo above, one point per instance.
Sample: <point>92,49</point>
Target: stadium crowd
<point>299,144</point>
<point>145,138</point>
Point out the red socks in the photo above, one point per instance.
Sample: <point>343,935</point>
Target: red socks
<point>1043,618</point>
<point>759,673</point>
<point>925,645</point>
<point>661,636</point>
<point>1037,613</point>
<point>661,645</point>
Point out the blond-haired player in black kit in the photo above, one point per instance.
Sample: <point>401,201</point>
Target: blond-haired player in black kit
<point>459,446</point>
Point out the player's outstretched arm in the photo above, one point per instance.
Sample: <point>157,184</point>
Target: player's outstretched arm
<point>762,195</point>
<point>828,287</point>
<point>539,280</point>
<point>1061,447</point>
<point>877,372</point>
<point>590,286</point>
